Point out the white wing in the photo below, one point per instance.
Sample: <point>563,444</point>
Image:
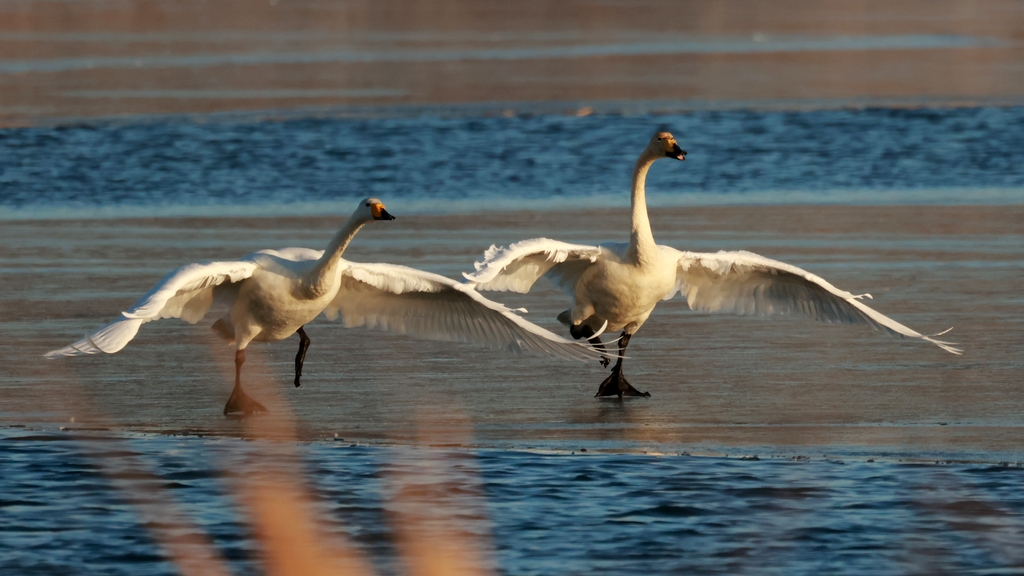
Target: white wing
<point>186,293</point>
<point>518,266</point>
<point>746,283</point>
<point>289,262</point>
<point>409,301</point>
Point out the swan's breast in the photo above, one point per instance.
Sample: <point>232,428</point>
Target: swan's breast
<point>623,292</point>
<point>277,304</point>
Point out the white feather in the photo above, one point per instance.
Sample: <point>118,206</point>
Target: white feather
<point>382,296</point>
<point>409,301</point>
<point>628,279</point>
<point>746,283</point>
<point>111,338</point>
<point>186,293</point>
<point>517,267</point>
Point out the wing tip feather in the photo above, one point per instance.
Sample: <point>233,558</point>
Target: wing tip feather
<point>950,347</point>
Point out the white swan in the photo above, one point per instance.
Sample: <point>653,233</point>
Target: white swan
<point>616,286</point>
<point>272,294</point>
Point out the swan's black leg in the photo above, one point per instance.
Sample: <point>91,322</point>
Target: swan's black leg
<point>239,400</point>
<point>587,332</point>
<point>616,384</point>
<point>301,356</point>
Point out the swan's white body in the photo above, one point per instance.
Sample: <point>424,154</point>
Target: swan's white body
<point>599,279</point>
<point>259,292</point>
<point>270,294</point>
<point>617,286</point>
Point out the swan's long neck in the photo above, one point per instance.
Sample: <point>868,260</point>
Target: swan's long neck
<point>641,241</point>
<point>320,279</point>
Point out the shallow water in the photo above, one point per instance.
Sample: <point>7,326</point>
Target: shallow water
<point>65,495</point>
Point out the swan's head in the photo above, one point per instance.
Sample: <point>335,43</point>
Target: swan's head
<point>663,144</point>
<point>372,209</point>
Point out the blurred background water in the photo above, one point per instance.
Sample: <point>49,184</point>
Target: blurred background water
<point>432,163</point>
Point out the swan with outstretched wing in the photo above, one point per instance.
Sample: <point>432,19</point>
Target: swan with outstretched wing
<point>616,286</point>
<point>272,294</point>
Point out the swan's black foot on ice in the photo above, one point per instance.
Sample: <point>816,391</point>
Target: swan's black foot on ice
<point>617,385</point>
<point>241,402</point>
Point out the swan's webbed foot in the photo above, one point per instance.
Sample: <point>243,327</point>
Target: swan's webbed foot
<point>604,361</point>
<point>242,402</point>
<point>239,400</point>
<point>617,385</point>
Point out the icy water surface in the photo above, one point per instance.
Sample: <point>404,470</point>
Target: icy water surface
<point>65,507</point>
<point>842,419</point>
<point>877,156</point>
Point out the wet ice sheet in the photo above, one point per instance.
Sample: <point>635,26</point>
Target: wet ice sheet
<point>719,383</point>
<point>681,47</point>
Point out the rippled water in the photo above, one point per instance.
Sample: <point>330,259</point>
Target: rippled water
<point>879,156</point>
<point>65,508</point>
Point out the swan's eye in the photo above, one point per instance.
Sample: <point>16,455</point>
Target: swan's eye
<point>367,203</point>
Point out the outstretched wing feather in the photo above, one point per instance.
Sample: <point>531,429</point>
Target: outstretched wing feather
<point>185,293</point>
<point>409,301</point>
<point>746,283</point>
<point>517,267</point>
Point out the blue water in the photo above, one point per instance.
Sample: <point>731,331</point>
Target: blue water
<point>432,163</point>
<point>77,502</point>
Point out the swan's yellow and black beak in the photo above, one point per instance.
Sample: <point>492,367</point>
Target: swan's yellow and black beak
<point>670,146</point>
<point>674,151</point>
<point>379,213</point>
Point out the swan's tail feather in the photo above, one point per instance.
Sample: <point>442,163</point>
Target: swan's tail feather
<point>108,339</point>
